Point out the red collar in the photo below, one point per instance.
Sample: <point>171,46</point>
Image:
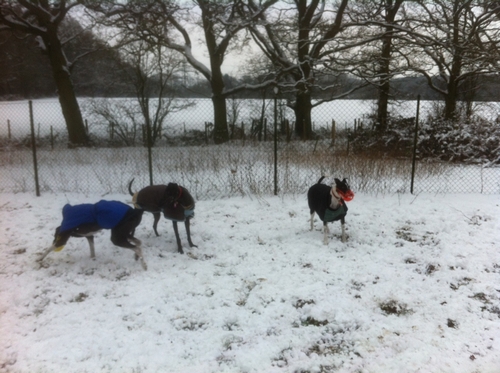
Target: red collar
<point>178,197</point>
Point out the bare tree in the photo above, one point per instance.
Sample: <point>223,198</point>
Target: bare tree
<point>389,9</point>
<point>152,70</point>
<point>303,39</point>
<point>219,23</point>
<point>452,42</point>
<point>43,18</point>
<point>377,62</point>
<point>384,71</point>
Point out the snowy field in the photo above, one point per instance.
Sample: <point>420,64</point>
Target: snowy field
<point>47,113</point>
<point>416,288</point>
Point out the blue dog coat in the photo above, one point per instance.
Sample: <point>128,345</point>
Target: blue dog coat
<point>107,214</point>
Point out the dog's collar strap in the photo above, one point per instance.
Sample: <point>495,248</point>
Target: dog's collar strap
<point>176,202</point>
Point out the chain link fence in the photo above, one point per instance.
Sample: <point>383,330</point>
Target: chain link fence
<point>254,161</point>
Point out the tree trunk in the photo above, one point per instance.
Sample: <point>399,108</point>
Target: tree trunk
<point>302,109</point>
<point>450,103</point>
<point>221,132</point>
<point>450,99</point>
<point>384,88</point>
<point>385,65</point>
<point>65,90</point>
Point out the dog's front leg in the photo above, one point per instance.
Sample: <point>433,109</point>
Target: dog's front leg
<point>46,252</point>
<point>156,216</point>
<point>179,245</point>
<point>312,221</point>
<point>326,232</point>
<point>342,224</point>
<point>90,239</point>
<point>188,232</point>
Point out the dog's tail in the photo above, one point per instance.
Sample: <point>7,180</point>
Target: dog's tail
<point>134,195</point>
<point>319,181</point>
<point>130,187</point>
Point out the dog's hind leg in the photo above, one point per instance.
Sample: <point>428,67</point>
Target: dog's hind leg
<point>138,255</point>
<point>179,245</point>
<point>90,239</point>
<point>155,223</point>
<point>312,221</point>
<point>188,232</point>
<point>135,241</point>
<point>121,240</point>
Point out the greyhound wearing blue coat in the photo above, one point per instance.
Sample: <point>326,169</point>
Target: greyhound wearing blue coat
<point>85,220</point>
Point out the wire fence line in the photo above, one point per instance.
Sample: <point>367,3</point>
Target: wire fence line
<point>253,162</point>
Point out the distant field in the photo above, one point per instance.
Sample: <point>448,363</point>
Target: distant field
<point>47,113</point>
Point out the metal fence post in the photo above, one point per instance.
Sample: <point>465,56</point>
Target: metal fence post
<point>150,145</point>
<point>33,148</point>
<point>276,90</point>
<point>415,139</point>
<point>51,138</point>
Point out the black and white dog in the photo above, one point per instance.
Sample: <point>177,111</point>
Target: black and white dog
<point>87,219</point>
<point>329,203</point>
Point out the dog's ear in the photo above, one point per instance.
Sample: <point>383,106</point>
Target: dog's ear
<point>172,192</point>
<point>346,183</point>
<point>172,189</point>
<point>342,185</point>
<point>339,184</point>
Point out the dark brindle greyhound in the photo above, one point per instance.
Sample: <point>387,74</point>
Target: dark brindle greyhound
<point>85,220</point>
<point>173,200</point>
<point>329,203</point>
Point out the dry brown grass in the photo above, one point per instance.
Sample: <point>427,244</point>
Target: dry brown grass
<point>212,171</point>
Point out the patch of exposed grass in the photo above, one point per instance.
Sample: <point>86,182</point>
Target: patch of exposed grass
<point>393,307</point>
<point>302,302</point>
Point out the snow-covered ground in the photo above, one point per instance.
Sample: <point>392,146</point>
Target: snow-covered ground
<point>415,289</point>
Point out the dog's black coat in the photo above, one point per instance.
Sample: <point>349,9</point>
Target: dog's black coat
<point>319,198</point>
<point>173,200</point>
<point>320,201</point>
